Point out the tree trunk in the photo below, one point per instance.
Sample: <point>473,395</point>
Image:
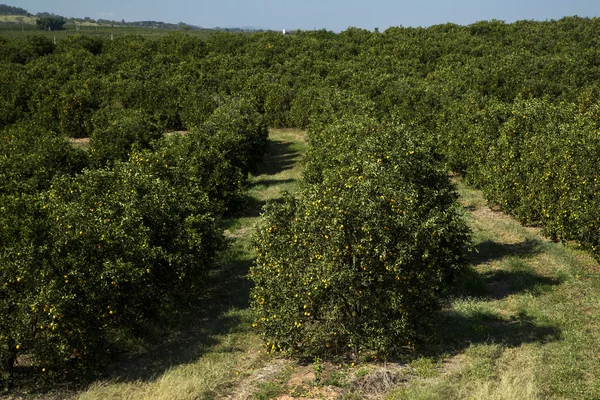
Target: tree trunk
<point>8,362</point>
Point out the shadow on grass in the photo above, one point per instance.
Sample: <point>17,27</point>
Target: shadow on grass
<point>499,284</point>
<point>489,250</point>
<point>197,329</point>
<point>281,157</point>
<point>452,332</point>
<point>469,322</point>
<point>252,208</point>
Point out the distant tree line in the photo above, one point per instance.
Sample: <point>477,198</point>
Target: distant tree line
<point>10,10</point>
<point>51,23</point>
<point>135,24</point>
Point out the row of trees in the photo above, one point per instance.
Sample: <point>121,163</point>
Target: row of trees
<point>47,20</point>
<point>98,243</point>
<point>512,107</point>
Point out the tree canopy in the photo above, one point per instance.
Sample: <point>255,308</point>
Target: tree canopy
<point>50,22</point>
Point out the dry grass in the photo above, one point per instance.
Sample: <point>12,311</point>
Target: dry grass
<point>17,19</point>
<point>210,376</point>
<point>82,143</point>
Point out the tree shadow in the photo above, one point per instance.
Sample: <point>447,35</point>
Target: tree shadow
<point>489,250</point>
<point>501,284</point>
<point>281,157</point>
<point>452,332</point>
<point>181,347</point>
<point>252,208</point>
<point>196,330</point>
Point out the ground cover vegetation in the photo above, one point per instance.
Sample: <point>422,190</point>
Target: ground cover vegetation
<point>96,243</point>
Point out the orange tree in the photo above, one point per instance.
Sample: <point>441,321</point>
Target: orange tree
<point>116,131</point>
<point>216,155</point>
<point>29,159</point>
<point>358,261</point>
<point>94,258</point>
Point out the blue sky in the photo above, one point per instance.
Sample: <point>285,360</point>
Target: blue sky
<point>335,15</point>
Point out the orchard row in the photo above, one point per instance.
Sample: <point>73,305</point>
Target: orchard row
<point>98,242</point>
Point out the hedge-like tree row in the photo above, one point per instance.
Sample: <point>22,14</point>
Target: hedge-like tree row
<point>536,160</point>
<point>95,245</point>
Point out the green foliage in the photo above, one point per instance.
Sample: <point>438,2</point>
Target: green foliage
<point>542,169</point>
<point>76,104</point>
<point>216,156</point>
<point>39,45</point>
<point>13,99</point>
<point>30,157</point>
<point>196,106</point>
<point>117,131</point>
<point>337,146</point>
<point>358,261</point>
<point>516,159</point>
<point>524,131</point>
<point>239,133</point>
<point>468,128</point>
<point>10,10</point>
<point>26,50</point>
<point>192,161</point>
<point>79,41</point>
<point>23,227</point>
<point>50,23</point>
<point>95,258</point>
<point>318,107</point>
<point>181,46</point>
<point>277,104</point>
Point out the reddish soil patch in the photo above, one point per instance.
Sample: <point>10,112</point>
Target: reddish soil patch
<point>84,143</point>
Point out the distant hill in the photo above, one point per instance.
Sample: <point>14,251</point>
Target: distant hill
<point>17,19</point>
<point>17,15</point>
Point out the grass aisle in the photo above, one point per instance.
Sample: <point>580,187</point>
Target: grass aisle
<point>527,325</point>
<point>220,350</point>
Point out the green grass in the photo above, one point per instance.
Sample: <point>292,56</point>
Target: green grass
<point>279,172</point>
